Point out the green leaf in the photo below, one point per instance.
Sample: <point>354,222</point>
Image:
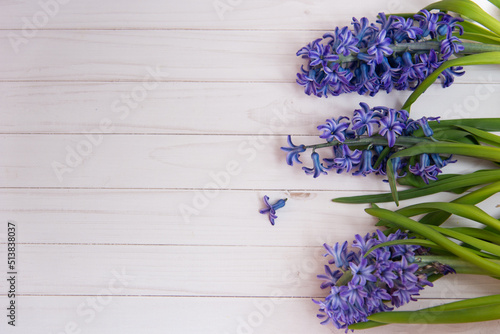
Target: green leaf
<point>468,9</point>
<point>457,181</point>
<point>459,305</point>
<point>485,124</point>
<point>482,136</point>
<point>474,197</point>
<point>450,134</point>
<point>478,38</point>
<point>483,152</point>
<point>480,244</point>
<point>471,27</point>
<point>438,238</point>
<point>463,210</point>
<point>472,314</point>
<point>478,233</point>
<point>459,265</point>
<point>474,59</point>
<point>419,242</point>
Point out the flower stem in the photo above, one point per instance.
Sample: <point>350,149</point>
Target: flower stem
<point>426,46</point>
<point>365,141</point>
<point>459,265</point>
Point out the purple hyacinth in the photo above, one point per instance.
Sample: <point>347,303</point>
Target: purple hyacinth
<point>334,129</point>
<point>317,168</point>
<point>365,58</point>
<point>271,208</point>
<point>425,169</point>
<point>391,126</point>
<point>371,279</point>
<point>364,120</point>
<point>293,152</point>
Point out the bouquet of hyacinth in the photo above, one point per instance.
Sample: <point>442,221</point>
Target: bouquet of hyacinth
<point>389,268</point>
<point>401,51</point>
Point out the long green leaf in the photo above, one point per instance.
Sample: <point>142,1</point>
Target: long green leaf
<point>468,9</point>
<point>480,244</point>
<point>463,210</point>
<point>485,124</point>
<point>472,314</point>
<point>471,27</point>
<point>479,233</point>
<point>459,265</point>
<point>476,151</point>
<point>474,197</point>
<point>436,237</point>
<point>474,59</point>
<point>483,136</point>
<point>458,305</point>
<point>419,242</point>
<point>459,181</point>
<point>478,38</point>
<point>483,152</point>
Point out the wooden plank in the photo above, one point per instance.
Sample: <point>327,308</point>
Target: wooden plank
<point>192,14</point>
<point>149,56</point>
<point>169,162</point>
<point>158,217</point>
<point>211,108</point>
<point>130,315</point>
<point>194,271</point>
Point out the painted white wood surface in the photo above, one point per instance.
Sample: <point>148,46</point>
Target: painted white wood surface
<point>210,89</point>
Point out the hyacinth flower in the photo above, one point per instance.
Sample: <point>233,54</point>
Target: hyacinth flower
<point>373,278</point>
<point>271,208</point>
<point>388,142</point>
<point>374,135</point>
<point>387,269</point>
<point>405,261</point>
<point>400,52</point>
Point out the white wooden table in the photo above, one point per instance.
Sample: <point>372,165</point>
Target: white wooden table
<point>137,141</point>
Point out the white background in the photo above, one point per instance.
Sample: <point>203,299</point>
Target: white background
<point>96,170</point>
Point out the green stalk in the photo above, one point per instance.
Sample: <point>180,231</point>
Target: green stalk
<point>480,244</point>
<point>458,305</point>
<point>459,265</point>
<point>475,59</point>
<point>482,136</point>
<point>375,140</point>
<point>419,242</point>
<point>471,27</point>
<point>463,210</point>
<point>485,124</point>
<point>479,233</point>
<point>472,314</point>
<point>472,198</point>
<point>429,233</point>
<point>483,152</point>
<point>426,46</point>
<point>458,181</point>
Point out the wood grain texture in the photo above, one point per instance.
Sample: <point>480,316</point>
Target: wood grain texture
<point>211,107</point>
<point>192,14</point>
<point>170,162</point>
<point>155,217</point>
<point>165,120</point>
<point>51,314</point>
<point>150,56</point>
<point>195,271</point>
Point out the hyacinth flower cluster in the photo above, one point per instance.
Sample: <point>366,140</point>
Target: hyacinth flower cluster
<point>363,281</point>
<point>396,52</point>
<point>365,144</point>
